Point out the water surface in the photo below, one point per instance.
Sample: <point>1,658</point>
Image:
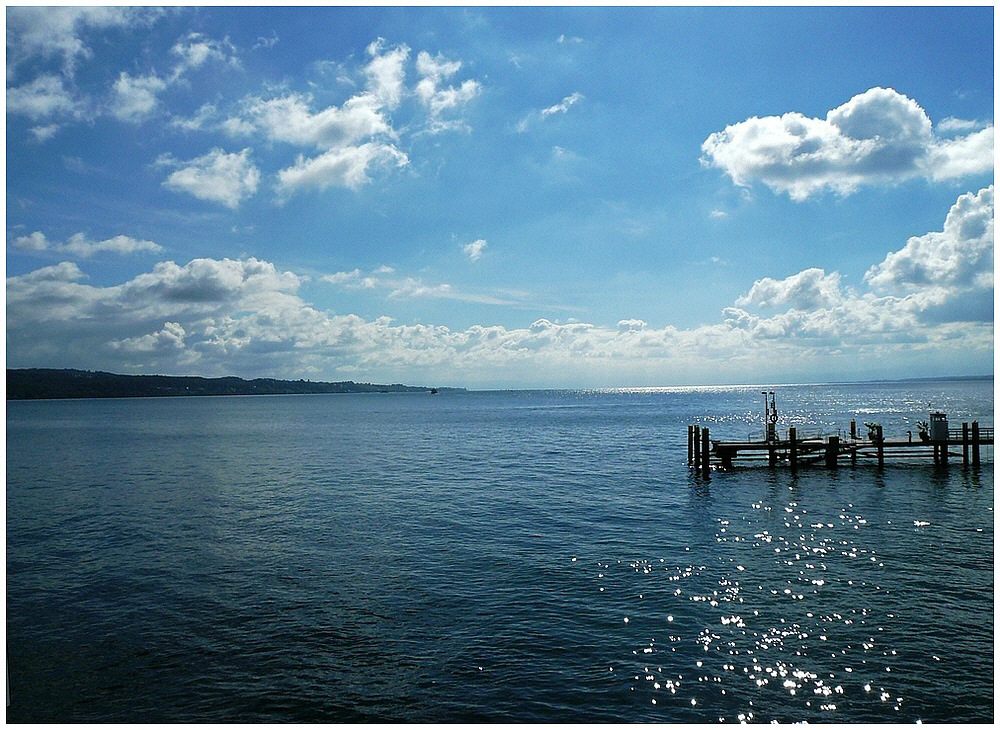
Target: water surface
<point>518,556</point>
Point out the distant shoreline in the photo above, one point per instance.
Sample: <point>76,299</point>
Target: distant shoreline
<point>54,384</point>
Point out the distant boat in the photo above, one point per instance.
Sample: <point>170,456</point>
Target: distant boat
<point>434,391</point>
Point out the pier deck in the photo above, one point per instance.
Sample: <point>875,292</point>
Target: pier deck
<point>964,443</point>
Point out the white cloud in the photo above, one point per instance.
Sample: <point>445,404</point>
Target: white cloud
<point>170,338</point>
<point>949,125</point>
<point>808,290</point>
<point>56,32</point>
<point>343,167</point>
<point>218,177</point>
<point>385,74</point>
<point>195,50</point>
<point>563,106</point>
<point>44,97</point>
<point>878,137</point>
<point>135,98</point>
<point>82,246</point>
<point>438,101</point>
<point>475,249</point>
<point>407,287</point>
<point>959,256</point>
<point>938,279</point>
<point>289,119</point>
<point>352,138</point>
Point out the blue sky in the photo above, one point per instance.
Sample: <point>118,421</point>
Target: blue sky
<point>502,197</point>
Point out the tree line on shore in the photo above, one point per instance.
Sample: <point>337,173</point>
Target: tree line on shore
<point>38,383</point>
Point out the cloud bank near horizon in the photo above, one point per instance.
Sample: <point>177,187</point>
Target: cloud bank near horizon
<point>246,317</point>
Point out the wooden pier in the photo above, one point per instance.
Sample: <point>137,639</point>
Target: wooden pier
<point>797,450</point>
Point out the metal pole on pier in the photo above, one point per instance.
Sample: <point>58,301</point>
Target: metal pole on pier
<point>965,443</point>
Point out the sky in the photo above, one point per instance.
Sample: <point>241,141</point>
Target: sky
<point>502,197</point>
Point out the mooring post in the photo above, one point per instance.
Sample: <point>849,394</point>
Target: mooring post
<point>704,451</point>
<point>832,447</point>
<point>690,444</point>
<point>854,429</point>
<point>793,453</point>
<point>965,443</point>
<point>975,443</point>
<point>878,446</point>
<point>697,449</point>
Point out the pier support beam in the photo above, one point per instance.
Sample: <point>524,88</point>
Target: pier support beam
<point>696,431</point>
<point>965,444</point>
<point>832,450</point>
<point>879,447</point>
<point>705,448</point>
<point>975,443</point>
<point>690,445</point>
<point>793,450</point>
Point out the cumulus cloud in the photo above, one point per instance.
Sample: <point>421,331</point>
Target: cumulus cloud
<point>57,32</point>
<point>343,167</point>
<point>352,139</point>
<point>808,290</point>
<point>170,338</point>
<point>79,245</point>
<point>358,136</point>
<point>38,36</point>
<point>959,256</point>
<point>195,50</point>
<point>437,99</point>
<point>41,98</point>
<point>218,177</point>
<point>135,97</point>
<point>939,279</point>
<point>877,137</point>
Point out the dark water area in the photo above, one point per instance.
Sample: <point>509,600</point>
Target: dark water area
<point>537,556</point>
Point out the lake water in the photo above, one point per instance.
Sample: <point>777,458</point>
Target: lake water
<point>539,556</point>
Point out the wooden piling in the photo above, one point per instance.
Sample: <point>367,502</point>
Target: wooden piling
<point>690,444</point>
<point>793,452</point>
<point>705,448</point>
<point>697,447</point>
<point>879,446</point>
<point>965,443</point>
<point>975,443</point>
<point>832,450</point>
<point>854,429</point>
